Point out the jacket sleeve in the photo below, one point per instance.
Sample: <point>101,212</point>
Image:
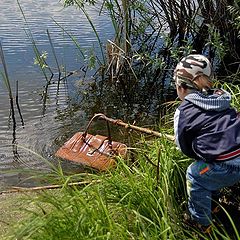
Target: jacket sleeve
<point>183,137</point>
<point>176,119</point>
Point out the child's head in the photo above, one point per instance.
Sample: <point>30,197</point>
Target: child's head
<point>194,72</point>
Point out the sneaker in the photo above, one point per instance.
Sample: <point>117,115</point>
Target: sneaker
<point>195,225</point>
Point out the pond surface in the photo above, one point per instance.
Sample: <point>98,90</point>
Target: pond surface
<point>49,118</point>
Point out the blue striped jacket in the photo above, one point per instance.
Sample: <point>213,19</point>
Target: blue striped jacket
<point>206,127</point>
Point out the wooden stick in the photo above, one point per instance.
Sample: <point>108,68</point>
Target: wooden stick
<point>23,189</point>
<point>141,129</point>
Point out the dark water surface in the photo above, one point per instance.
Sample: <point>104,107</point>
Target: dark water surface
<point>47,121</point>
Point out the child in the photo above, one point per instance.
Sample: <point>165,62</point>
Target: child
<point>206,129</point>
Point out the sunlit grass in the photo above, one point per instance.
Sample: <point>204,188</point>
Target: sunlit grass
<point>135,201</point>
<point>234,90</point>
<point>129,202</point>
<point>143,198</point>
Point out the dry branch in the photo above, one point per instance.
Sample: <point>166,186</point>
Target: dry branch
<point>40,188</point>
<point>141,129</point>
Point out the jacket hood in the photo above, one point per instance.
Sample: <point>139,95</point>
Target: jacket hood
<point>216,100</point>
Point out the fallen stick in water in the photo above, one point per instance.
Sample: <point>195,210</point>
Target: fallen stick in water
<point>141,129</point>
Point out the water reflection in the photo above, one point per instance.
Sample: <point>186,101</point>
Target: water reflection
<point>49,116</point>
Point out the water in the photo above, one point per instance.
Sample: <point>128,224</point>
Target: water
<point>51,120</point>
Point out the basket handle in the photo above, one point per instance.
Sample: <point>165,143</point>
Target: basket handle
<point>90,122</point>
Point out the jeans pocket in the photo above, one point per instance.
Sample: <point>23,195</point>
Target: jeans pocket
<point>205,169</point>
<point>215,170</point>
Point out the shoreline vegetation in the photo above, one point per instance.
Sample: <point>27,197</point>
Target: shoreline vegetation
<point>144,197</point>
<point>136,200</point>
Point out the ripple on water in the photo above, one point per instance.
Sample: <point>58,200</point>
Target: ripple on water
<point>37,139</point>
<point>44,130</point>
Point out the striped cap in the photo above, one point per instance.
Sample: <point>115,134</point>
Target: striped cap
<point>190,67</point>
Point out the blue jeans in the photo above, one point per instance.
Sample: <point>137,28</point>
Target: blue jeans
<point>205,178</point>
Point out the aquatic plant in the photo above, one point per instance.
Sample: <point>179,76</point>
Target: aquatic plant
<point>7,83</point>
<point>4,74</point>
<point>163,31</point>
<point>40,58</point>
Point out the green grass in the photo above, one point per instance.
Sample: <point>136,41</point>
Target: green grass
<point>135,201</point>
<point>143,198</point>
<point>10,205</point>
<point>129,203</point>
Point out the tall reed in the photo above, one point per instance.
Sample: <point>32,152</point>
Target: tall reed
<point>4,74</point>
<point>163,31</point>
<point>81,6</point>
<point>6,81</point>
<point>39,58</point>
